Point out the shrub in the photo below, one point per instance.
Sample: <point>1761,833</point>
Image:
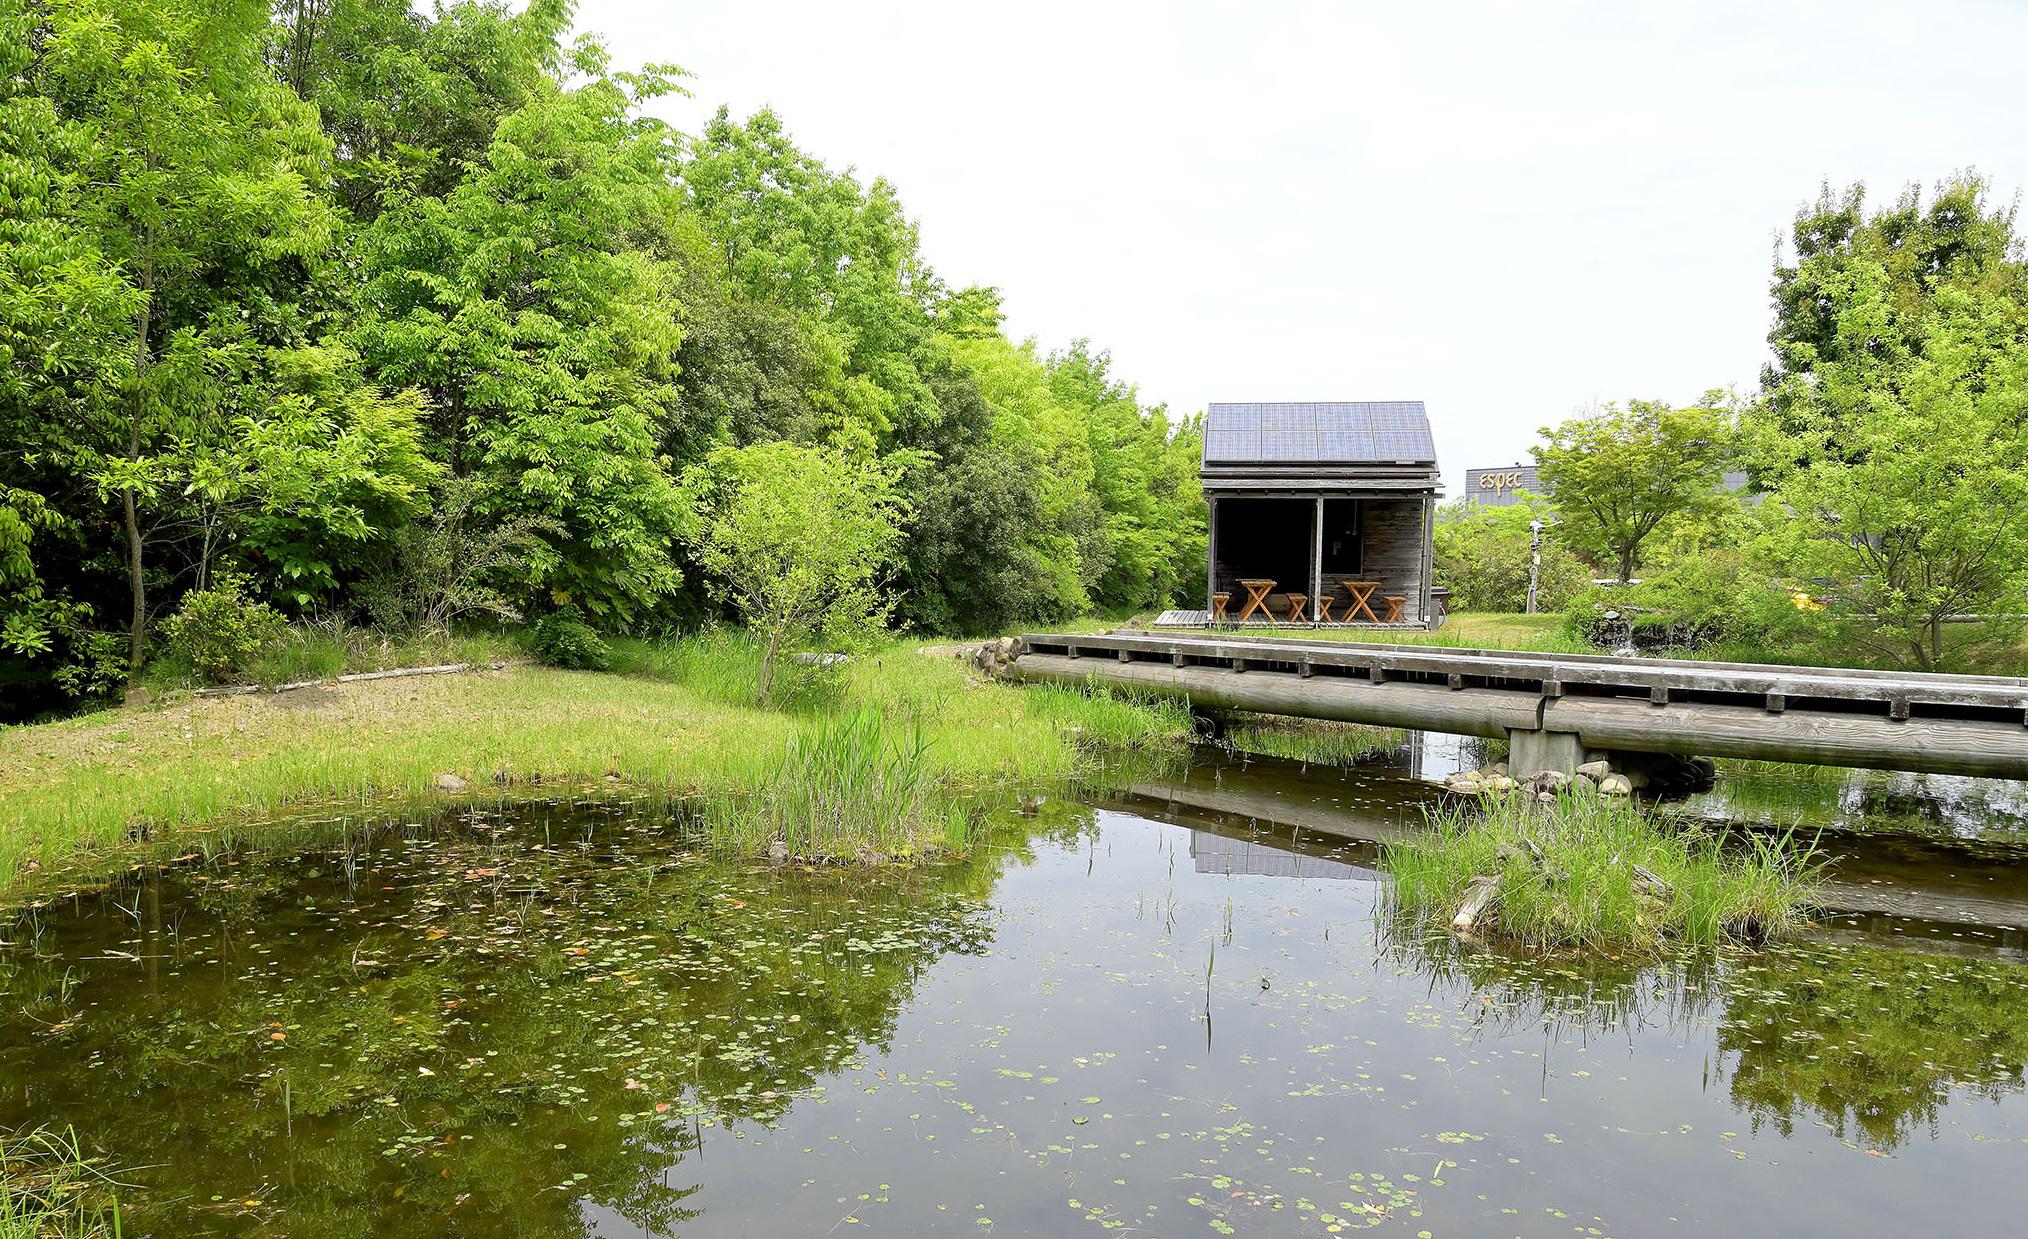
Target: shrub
<point>220,632</point>
<point>563,639</point>
<point>1482,555</point>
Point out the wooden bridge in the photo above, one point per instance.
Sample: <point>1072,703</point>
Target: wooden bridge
<point>1554,709</point>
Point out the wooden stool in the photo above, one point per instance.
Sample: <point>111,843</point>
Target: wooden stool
<point>1394,604</point>
<point>1324,604</point>
<point>1218,602</point>
<point>1296,602</point>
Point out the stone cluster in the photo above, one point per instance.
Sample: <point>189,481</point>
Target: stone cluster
<point>1620,774</point>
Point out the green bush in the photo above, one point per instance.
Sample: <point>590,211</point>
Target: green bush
<point>219,632</point>
<point>1482,555</point>
<point>563,639</point>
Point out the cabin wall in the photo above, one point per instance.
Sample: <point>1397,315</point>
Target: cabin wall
<point>1397,556</point>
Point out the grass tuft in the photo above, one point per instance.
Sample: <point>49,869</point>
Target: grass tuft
<point>851,785</point>
<point>1600,873</point>
<point>49,1190</point>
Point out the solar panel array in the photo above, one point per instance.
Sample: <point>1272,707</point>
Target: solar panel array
<point>1372,431</point>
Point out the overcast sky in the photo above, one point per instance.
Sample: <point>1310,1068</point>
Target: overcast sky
<point>1506,210</point>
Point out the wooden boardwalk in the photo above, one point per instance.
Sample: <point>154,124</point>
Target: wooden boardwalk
<point>1555,708</point>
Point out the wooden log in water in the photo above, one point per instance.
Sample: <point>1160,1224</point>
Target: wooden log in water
<point>1480,893</point>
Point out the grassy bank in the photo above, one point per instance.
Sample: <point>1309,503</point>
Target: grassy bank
<point>1595,872</point>
<point>676,719</point>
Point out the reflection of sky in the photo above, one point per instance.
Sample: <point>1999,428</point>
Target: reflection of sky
<point>1068,1076</point>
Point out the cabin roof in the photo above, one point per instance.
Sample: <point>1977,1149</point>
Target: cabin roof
<point>1343,432</point>
<point>1333,445</point>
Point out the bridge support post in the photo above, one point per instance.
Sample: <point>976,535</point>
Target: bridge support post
<point>1529,753</point>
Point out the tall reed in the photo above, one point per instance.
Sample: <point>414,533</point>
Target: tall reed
<point>850,784</point>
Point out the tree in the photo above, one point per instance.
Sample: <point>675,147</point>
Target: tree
<point>532,305</point>
<point>1616,475</point>
<point>799,539</point>
<point>1911,250</point>
<point>1911,514</point>
<point>194,176</point>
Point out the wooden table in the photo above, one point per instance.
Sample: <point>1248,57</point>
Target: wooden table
<point>1256,599</point>
<point>1296,615</point>
<point>1218,602</point>
<point>1361,604</point>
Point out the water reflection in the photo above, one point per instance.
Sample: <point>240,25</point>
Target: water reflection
<point>557,1021</point>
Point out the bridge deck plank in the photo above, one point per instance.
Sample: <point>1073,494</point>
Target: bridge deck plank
<point>1890,690</point>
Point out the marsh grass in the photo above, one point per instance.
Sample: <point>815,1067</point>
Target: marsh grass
<point>95,793</point>
<point>854,784</point>
<point>1586,891</point>
<point>49,1190</point>
<point>1324,744</point>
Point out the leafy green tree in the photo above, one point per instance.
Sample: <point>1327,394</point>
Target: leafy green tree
<point>1908,253</point>
<point>799,539</point>
<point>411,99</point>
<point>192,174</point>
<point>1616,475</point>
<point>532,307</point>
<point>1911,514</point>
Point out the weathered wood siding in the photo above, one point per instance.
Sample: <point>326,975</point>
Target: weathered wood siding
<point>1395,554</point>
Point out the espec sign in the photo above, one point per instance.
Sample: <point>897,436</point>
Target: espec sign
<point>1502,486</point>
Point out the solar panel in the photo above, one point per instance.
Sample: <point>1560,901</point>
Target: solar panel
<point>1294,433</point>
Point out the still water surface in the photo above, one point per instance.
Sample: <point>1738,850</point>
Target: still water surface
<point>1176,1010</point>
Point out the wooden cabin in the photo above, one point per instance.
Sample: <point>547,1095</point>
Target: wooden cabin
<point>1316,498</point>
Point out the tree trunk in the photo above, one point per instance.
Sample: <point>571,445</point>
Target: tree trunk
<point>767,676</point>
<point>137,582</point>
<point>1626,564</point>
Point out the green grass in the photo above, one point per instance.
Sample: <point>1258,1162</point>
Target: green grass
<point>854,785</point>
<point>1585,890</point>
<point>325,650</point>
<point>93,793</point>
<point>48,1190</point>
<point>1320,743</point>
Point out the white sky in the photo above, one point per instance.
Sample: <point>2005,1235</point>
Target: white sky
<point>1506,210</point>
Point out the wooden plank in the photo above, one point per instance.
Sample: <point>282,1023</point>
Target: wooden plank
<point>1793,683</point>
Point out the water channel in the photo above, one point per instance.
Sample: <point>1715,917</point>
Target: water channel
<point>1172,1007</point>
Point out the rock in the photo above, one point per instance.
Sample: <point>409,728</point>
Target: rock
<point>1582,782</point>
<point>1616,785</point>
<point>1498,769</point>
<point>1549,780</point>
<point>449,784</point>
<point>1595,770</point>
<point>1546,797</point>
<point>1500,783</point>
<point>136,697</point>
<point>1464,787</point>
<point>778,853</point>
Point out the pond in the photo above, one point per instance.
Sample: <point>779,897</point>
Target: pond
<point>1174,1008</point>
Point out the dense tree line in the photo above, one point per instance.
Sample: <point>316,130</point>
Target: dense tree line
<point>355,306</point>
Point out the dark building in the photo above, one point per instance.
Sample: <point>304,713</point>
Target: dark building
<point>1313,496</point>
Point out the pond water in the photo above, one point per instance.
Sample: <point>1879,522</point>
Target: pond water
<point>1174,1009</point>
